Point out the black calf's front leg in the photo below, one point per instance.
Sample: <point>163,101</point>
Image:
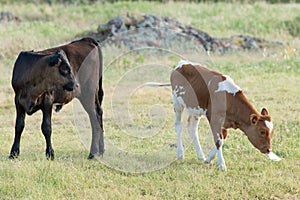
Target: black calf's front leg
<point>19,126</point>
<point>46,127</point>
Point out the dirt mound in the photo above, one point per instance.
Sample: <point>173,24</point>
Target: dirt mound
<point>165,32</point>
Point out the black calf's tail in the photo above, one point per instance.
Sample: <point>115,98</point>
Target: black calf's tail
<point>100,94</point>
<point>100,90</point>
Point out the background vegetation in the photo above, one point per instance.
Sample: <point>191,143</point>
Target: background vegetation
<point>164,1</point>
<point>268,78</point>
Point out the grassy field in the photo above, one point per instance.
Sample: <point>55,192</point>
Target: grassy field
<point>140,161</point>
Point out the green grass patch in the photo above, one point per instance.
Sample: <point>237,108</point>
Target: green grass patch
<point>293,26</point>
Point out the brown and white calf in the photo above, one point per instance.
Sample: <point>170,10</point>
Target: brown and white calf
<point>204,92</point>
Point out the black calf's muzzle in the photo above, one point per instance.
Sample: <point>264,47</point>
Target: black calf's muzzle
<point>69,86</point>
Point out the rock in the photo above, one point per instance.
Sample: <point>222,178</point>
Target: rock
<point>164,32</point>
<point>7,17</point>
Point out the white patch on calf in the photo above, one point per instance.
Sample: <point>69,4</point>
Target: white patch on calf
<point>221,162</point>
<point>228,85</point>
<point>178,93</point>
<point>269,125</point>
<point>181,101</point>
<point>184,62</point>
<point>196,111</point>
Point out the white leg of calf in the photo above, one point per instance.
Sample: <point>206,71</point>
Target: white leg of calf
<point>178,127</point>
<point>211,155</point>
<point>193,122</point>
<point>221,162</point>
<point>180,150</point>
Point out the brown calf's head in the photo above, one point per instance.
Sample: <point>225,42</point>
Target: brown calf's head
<point>261,131</point>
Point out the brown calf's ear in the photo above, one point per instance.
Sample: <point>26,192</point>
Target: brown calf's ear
<point>253,119</point>
<point>264,111</point>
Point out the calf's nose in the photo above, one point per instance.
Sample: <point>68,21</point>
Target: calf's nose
<point>69,86</point>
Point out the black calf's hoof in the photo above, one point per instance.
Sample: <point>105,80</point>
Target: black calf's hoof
<point>50,155</point>
<point>101,152</point>
<point>14,154</point>
<point>91,156</point>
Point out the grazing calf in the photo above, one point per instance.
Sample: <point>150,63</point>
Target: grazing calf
<point>202,91</point>
<point>53,77</point>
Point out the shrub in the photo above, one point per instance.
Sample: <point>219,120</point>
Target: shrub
<point>293,26</point>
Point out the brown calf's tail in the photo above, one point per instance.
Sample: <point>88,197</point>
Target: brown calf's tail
<point>156,84</point>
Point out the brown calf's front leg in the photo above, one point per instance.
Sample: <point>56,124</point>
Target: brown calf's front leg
<point>219,134</point>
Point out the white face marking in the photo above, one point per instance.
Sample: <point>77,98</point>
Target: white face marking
<point>228,85</point>
<point>184,62</point>
<point>273,156</point>
<point>269,125</point>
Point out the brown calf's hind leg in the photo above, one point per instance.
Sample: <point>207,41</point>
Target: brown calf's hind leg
<point>193,122</point>
<point>178,109</point>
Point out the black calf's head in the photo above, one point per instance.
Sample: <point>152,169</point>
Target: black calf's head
<point>62,76</point>
<point>46,73</point>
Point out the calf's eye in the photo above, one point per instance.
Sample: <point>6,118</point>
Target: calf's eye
<point>64,70</point>
<point>262,132</point>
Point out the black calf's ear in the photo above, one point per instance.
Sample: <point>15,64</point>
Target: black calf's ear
<point>264,111</point>
<point>54,59</point>
<point>253,119</point>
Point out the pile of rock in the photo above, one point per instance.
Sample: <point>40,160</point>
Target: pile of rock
<point>8,17</point>
<point>165,32</point>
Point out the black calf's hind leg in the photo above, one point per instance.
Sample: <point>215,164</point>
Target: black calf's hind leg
<point>93,110</point>
<point>19,126</point>
<point>97,145</point>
